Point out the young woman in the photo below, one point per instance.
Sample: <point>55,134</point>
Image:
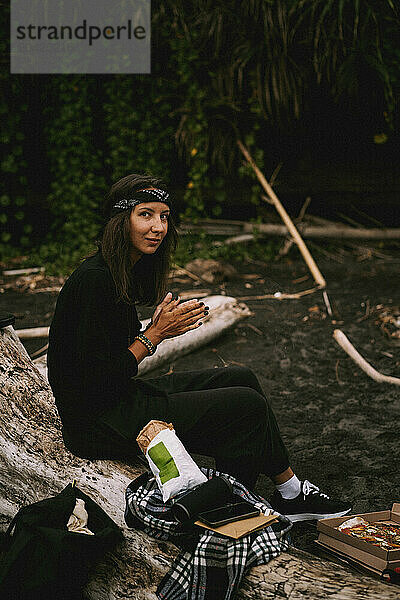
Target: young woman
<point>96,344</point>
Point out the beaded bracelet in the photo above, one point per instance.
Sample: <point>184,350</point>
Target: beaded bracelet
<point>148,343</point>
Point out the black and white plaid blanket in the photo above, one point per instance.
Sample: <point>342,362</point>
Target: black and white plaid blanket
<point>210,566</point>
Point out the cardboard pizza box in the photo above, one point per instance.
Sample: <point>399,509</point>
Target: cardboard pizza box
<point>375,558</point>
<point>352,562</point>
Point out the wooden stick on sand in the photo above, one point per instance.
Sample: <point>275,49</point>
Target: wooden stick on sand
<point>281,295</point>
<point>348,347</point>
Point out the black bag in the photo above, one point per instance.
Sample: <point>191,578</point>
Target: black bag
<point>42,559</point>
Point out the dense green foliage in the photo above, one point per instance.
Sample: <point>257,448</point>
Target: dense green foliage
<point>75,194</point>
<point>13,168</point>
<point>279,74</point>
<point>203,245</point>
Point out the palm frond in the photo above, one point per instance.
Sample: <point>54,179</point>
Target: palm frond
<point>272,53</point>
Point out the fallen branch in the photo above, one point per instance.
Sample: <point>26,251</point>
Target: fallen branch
<point>237,239</point>
<point>334,257</point>
<point>337,372</point>
<point>190,294</point>
<point>281,296</point>
<point>336,232</point>
<point>182,270</point>
<point>284,250</point>
<point>48,290</point>
<point>304,208</point>
<point>348,347</point>
<point>272,198</point>
<point>38,352</point>
<point>32,332</point>
<point>222,226</point>
<point>307,231</point>
<point>12,272</point>
<point>250,237</point>
<point>327,303</point>
<point>258,331</point>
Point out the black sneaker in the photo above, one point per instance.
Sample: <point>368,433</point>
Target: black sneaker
<point>309,504</point>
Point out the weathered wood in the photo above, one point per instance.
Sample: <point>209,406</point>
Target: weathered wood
<point>32,333</point>
<point>348,347</point>
<point>284,250</point>
<point>31,271</point>
<point>343,232</point>
<point>307,231</point>
<point>282,295</point>
<point>34,464</point>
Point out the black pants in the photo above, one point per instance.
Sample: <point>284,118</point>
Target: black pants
<point>219,412</point>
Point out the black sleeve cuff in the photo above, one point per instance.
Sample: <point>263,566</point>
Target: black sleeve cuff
<point>131,365</point>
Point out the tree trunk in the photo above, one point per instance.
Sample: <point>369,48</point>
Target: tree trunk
<point>34,465</point>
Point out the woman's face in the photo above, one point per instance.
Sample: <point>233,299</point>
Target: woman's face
<point>149,226</point>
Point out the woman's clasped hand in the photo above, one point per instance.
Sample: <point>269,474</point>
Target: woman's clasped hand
<point>172,317</point>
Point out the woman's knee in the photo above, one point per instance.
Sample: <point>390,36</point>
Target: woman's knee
<point>251,402</point>
<point>245,376</point>
<point>241,375</point>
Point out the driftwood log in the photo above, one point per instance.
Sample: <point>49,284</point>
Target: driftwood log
<point>34,464</point>
<point>32,333</point>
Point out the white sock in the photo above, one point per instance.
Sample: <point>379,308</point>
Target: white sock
<point>290,489</point>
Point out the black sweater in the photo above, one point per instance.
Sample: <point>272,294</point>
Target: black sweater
<point>89,364</point>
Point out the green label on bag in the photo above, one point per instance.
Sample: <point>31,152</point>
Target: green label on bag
<point>164,462</point>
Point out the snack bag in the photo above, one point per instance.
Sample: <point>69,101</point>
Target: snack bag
<point>172,466</point>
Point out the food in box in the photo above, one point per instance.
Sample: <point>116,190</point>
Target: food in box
<point>375,544</point>
<point>383,535</point>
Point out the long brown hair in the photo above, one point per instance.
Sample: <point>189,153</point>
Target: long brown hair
<point>146,281</point>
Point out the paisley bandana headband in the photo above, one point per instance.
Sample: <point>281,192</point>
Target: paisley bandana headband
<point>151,195</point>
